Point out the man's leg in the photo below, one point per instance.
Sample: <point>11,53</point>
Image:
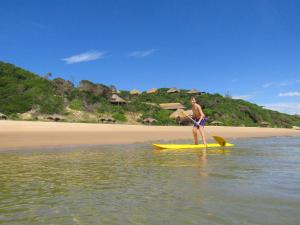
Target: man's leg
<point>201,129</point>
<point>195,135</point>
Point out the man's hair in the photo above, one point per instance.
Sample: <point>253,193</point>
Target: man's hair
<point>193,97</point>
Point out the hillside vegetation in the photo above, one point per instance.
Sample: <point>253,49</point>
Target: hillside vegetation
<point>22,91</point>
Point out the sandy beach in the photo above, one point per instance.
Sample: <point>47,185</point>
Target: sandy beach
<point>33,134</point>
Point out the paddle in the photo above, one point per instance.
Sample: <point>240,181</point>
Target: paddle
<point>221,141</point>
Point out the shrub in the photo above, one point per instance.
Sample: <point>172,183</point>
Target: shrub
<point>76,104</point>
<point>119,117</point>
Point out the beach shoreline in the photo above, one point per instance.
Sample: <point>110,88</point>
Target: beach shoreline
<point>36,134</point>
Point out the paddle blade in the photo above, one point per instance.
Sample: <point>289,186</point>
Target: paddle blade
<point>221,141</point>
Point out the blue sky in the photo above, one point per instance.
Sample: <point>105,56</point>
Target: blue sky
<point>249,49</point>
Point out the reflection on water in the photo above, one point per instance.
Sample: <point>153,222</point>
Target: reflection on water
<point>257,182</point>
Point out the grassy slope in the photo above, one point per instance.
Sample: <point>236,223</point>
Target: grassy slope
<point>21,90</point>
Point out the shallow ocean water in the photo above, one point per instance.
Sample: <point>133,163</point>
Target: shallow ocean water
<point>256,182</point>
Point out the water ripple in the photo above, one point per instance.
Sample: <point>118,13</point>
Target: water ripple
<point>257,182</point>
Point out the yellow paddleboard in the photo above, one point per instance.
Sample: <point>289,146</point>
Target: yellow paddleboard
<point>187,146</point>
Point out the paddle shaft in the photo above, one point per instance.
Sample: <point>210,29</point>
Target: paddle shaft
<point>192,118</point>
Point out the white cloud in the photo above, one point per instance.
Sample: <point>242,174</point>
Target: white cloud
<point>281,83</point>
<point>244,97</point>
<point>268,85</point>
<point>289,94</point>
<point>288,82</point>
<point>85,57</point>
<point>142,54</point>
<point>289,108</point>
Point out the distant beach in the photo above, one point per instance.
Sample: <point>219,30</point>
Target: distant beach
<point>34,134</point>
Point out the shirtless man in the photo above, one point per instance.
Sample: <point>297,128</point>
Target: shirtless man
<point>200,119</point>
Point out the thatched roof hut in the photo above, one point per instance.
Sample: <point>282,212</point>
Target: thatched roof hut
<point>110,119</point>
<point>152,91</point>
<point>173,90</point>
<point>55,117</point>
<point>265,124</point>
<point>193,91</point>
<point>3,116</point>
<point>172,106</point>
<point>135,92</point>
<point>181,116</point>
<point>151,103</point>
<point>216,123</point>
<point>179,113</point>
<point>106,119</point>
<point>115,99</point>
<point>149,120</point>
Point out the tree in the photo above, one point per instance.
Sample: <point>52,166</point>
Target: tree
<point>49,74</point>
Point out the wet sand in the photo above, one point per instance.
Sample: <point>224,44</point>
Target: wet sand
<point>35,134</point>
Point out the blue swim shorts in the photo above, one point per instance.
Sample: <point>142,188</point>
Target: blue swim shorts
<point>202,122</point>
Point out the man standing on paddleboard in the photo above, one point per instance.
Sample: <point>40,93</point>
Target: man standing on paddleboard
<point>199,121</point>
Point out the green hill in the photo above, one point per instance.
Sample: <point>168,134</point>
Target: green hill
<point>21,91</point>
